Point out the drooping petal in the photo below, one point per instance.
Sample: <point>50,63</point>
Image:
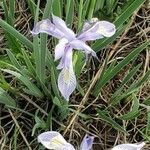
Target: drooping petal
<point>61,25</point>
<point>88,24</point>
<point>106,28</point>
<point>67,82</point>
<point>87,142</point>
<point>97,30</point>
<point>46,26</point>
<point>80,45</point>
<point>66,78</point>
<point>52,140</point>
<point>60,48</point>
<point>129,146</point>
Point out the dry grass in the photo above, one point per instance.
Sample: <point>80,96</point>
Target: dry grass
<point>18,124</point>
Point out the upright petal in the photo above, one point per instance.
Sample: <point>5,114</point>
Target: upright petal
<point>80,45</point>
<point>67,82</point>
<point>129,146</point>
<point>61,25</point>
<point>46,26</point>
<point>97,30</point>
<point>60,48</point>
<point>87,142</point>
<point>66,60</point>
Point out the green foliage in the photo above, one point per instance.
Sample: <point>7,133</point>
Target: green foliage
<point>103,115</point>
<point>109,74</point>
<point>6,99</point>
<point>31,64</point>
<point>134,112</point>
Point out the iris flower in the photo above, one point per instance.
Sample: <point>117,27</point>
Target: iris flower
<point>54,140</point>
<point>68,41</point>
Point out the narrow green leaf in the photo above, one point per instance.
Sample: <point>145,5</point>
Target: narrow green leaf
<point>32,87</point>
<point>12,11</point>
<point>99,5</point>
<point>119,22</point>
<point>134,87</point>
<point>54,83</point>
<point>11,41</point>
<point>119,66</point>
<point>16,34</point>
<point>48,9</point>
<point>111,121</point>
<point>147,101</point>
<point>69,13</point>
<point>80,15</point>
<point>91,9</point>
<point>42,53</point>
<point>137,84</point>
<point>126,80</point>
<point>134,112</point>
<point>56,7</point>
<point>14,60</point>
<point>86,6</point>
<point>32,7</point>
<point>6,99</point>
<point>57,102</point>
<point>26,58</point>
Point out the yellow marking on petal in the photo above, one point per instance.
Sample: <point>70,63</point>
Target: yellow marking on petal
<point>44,26</point>
<point>101,30</point>
<point>66,76</point>
<point>57,142</point>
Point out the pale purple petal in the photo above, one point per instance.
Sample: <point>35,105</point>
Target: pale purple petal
<point>129,146</point>
<point>60,48</point>
<point>51,140</point>
<point>66,78</point>
<point>61,25</point>
<point>97,30</point>
<point>46,26</point>
<point>61,63</point>
<point>88,24</point>
<point>90,37</point>
<point>67,82</point>
<point>80,45</point>
<point>87,142</point>
<point>66,60</point>
<point>106,28</point>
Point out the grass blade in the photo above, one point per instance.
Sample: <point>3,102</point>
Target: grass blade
<point>118,22</point>
<point>118,67</point>
<point>16,34</point>
<point>41,57</point>
<point>133,113</point>
<point>69,13</point>
<point>56,7</point>
<point>109,120</point>
<point>91,9</point>
<point>6,99</point>
<point>80,15</point>
<point>32,88</point>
